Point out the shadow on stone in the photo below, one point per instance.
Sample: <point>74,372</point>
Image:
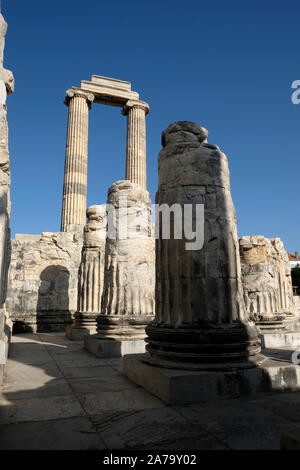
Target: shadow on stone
<point>53,312</point>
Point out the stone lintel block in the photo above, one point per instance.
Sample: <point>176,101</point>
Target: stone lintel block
<point>109,95</point>
<point>280,340</point>
<point>179,387</point>
<point>78,334</point>
<point>290,440</point>
<point>111,82</point>
<point>105,348</point>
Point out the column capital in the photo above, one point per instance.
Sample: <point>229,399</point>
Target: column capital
<point>135,104</point>
<point>78,92</point>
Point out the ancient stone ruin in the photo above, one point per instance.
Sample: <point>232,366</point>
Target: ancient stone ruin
<point>200,313</point>
<point>6,88</point>
<point>202,329</point>
<point>193,312</point>
<point>43,281</point>
<point>128,292</point>
<point>49,270</point>
<point>266,277</point>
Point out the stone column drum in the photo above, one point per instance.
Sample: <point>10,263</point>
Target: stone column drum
<point>200,321</point>
<point>136,141</point>
<point>75,177</point>
<point>91,274</point>
<point>128,293</point>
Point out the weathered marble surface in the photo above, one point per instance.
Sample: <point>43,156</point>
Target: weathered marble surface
<point>266,276</point>
<point>75,176</point>
<point>91,274</point>
<point>200,312</point>
<point>136,170</point>
<point>6,87</point>
<point>128,295</point>
<point>43,281</point>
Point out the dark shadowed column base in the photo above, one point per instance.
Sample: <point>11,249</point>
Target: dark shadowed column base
<point>205,347</point>
<point>271,321</point>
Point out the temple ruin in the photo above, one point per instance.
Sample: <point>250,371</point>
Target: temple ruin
<point>111,92</point>
<point>6,88</point>
<point>183,308</point>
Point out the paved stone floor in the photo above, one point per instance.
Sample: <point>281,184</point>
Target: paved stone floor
<point>58,396</point>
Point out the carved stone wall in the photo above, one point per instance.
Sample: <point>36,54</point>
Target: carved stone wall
<point>91,272</point>
<point>200,314</point>
<point>266,276</point>
<point>43,281</point>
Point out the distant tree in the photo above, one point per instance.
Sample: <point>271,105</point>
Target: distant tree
<point>296,277</point>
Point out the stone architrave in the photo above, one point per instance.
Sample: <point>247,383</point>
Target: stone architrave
<point>91,274</point>
<point>75,175</point>
<point>128,293</point>
<point>266,276</point>
<point>200,313</point>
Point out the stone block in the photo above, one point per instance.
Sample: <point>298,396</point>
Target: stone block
<point>102,348</point>
<point>78,334</point>
<point>178,387</point>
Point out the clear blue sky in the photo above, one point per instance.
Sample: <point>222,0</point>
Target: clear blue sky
<point>226,65</point>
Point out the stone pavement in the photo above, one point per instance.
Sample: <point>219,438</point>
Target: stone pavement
<point>58,396</point>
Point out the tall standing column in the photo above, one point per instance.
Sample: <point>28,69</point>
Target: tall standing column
<point>75,177</point>
<point>136,142</point>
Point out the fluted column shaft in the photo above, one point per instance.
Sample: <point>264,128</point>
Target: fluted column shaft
<point>200,314</point>
<point>75,176</point>
<point>128,291</point>
<point>136,142</point>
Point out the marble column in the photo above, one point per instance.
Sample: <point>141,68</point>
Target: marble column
<point>129,276</point>
<point>136,142</point>
<point>91,274</point>
<point>75,176</point>
<point>200,313</point>
<point>128,294</point>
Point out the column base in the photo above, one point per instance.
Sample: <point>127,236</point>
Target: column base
<point>271,321</point>
<point>117,327</point>
<point>179,387</point>
<point>193,345</point>
<point>78,333</point>
<point>106,348</point>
